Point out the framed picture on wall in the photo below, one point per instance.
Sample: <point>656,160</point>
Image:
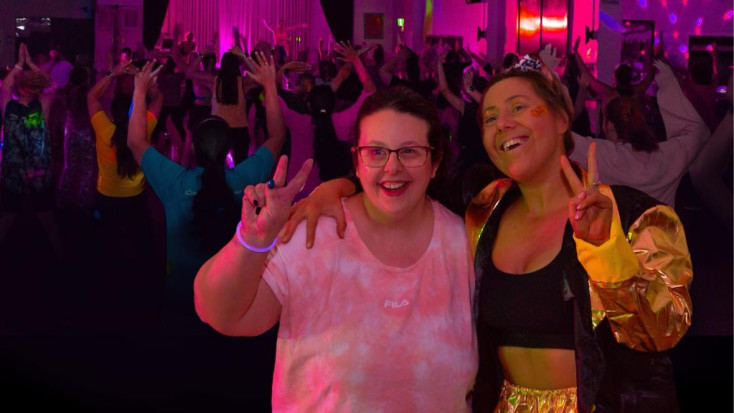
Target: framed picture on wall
<point>638,42</point>
<point>374,25</point>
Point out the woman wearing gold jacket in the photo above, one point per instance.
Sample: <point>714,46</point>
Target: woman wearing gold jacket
<point>581,287</point>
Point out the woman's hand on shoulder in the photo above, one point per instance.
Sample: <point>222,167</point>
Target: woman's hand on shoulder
<point>266,206</point>
<point>324,200</point>
<point>589,211</point>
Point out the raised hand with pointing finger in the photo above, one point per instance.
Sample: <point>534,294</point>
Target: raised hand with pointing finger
<point>266,206</point>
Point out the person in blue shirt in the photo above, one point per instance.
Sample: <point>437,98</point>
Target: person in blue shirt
<point>202,204</point>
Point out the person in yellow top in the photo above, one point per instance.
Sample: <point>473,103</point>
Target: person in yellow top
<point>119,174</point>
<point>123,211</point>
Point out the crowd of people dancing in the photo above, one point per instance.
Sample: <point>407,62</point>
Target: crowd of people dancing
<point>399,304</point>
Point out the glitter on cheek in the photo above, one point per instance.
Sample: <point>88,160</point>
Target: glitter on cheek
<point>539,110</point>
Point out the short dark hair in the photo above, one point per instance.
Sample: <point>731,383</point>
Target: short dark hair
<point>509,60</point>
<point>625,113</point>
<point>404,100</point>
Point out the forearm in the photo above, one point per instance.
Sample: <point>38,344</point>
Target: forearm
<point>454,100</point>
<point>476,96</point>
<point>99,88</point>
<point>364,77</point>
<point>340,77</point>
<point>601,89</point>
<point>639,282</point>
<point>644,84</point>
<point>156,100</point>
<point>138,125</point>
<point>343,187</point>
<point>266,25</point>
<point>279,76</point>
<point>580,103</point>
<point>679,115</point>
<point>275,121</point>
<point>9,80</point>
<point>386,71</point>
<point>32,65</point>
<point>226,285</point>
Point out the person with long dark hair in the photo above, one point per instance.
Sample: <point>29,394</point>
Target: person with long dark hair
<point>229,104</point>
<point>202,204</point>
<point>122,208</point>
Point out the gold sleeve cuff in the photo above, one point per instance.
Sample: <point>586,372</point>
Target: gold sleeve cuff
<point>650,311</point>
<point>611,262</point>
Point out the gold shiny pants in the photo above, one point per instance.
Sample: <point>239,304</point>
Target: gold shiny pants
<point>518,399</point>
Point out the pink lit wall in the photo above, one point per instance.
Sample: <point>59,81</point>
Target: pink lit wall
<point>412,11</point>
<point>456,18</point>
<point>582,16</point>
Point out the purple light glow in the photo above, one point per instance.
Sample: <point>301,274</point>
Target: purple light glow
<point>642,3</point>
<point>673,18</point>
<point>683,48</point>
<point>609,21</point>
<point>699,22</point>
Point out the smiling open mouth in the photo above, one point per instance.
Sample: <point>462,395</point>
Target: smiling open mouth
<point>391,186</point>
<point>513,143</point>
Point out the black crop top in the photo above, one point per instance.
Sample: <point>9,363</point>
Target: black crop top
<point>528,310</point>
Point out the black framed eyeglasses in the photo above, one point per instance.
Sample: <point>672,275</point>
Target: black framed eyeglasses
<point>409,156</point>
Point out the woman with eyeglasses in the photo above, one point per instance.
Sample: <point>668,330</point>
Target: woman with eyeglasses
<point>582,288</point>
<point>381,322</point>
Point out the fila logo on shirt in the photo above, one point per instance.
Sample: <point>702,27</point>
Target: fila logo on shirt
<point>395,304</point>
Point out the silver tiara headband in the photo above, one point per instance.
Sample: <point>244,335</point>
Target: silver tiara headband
<point>528,63</point>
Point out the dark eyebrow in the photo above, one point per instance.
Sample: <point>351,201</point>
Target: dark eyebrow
<point>506,100</point>
<point>381,144</point>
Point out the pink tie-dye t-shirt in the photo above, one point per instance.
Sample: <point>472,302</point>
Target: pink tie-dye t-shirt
<point>358,335</point>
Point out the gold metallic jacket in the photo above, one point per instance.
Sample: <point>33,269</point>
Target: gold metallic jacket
<point>638,281</point>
